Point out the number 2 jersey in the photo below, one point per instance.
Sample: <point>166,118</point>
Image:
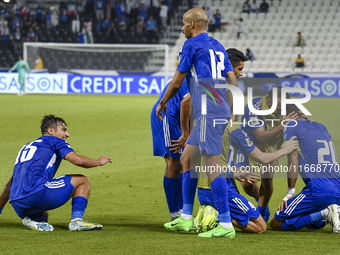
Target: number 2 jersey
<point>36,164</point>
<point>206,63</point>
<point>317,158</point>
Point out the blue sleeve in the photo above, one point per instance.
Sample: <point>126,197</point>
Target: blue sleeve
<point>289,132</point>
<point>244,143</point>
<point>254,121</point>
<point>188,53</point>
<point>63,148</point>
<point>227,64</point>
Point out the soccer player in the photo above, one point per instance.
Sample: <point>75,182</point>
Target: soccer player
<point>22,68</point>
<point>267,139</point>
<point>205,63</point>
<point>237,60</point>
<point>175,126</point>
<point>317,164</point>
<point>244,213</point>
<point>34,190</point>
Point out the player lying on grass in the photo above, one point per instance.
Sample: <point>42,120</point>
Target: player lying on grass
<point>34,190</point>
<point>267,138</point>
<point>243,212</point>
<point>316,162</point>
<point>206,63</point>
<point>173,127</point>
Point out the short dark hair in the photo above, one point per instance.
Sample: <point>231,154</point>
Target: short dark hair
<point>50,121</point>
<point>236,56</point>
<point>270,94</point>
<point>293,108</point>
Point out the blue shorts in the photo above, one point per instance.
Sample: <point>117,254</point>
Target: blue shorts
<point>55,194</point>
<point>240,208</point>
<point>162,133</point>
<point>303,204</point>
<point>241,160</point>
<point>207,137</point>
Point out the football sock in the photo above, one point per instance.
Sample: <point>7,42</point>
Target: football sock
<point>171,193</point>
<point>188,190</point>
<point>303,221</point>
<point>78,207</point>
<point>325,213</point>
<point>219,192</point>
<point>180,196</point>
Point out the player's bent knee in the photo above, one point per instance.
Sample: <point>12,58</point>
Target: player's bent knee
<point>78,180</point>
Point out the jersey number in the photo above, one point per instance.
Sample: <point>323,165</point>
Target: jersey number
<point>216,71</point>
<point>27,152</point>
<point>326,151</point>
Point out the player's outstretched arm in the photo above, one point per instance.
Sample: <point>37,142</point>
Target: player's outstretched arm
<point>86,162</point>
<point>4,197</point>
<point>266,158</point>
<point>263,135</point>
<point>171,91</point>
<point>185,127</point>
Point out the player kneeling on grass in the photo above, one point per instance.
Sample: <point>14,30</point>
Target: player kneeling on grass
<point>318,202</point>
<point>244,214</point>
<point>33,191</point>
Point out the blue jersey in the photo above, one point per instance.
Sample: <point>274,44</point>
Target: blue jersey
<point>239,140</point>
<point>173,112</point>
<point>317,160</point>
<point>206,63</point>
<point>36,164</point>
<point>253,119</point>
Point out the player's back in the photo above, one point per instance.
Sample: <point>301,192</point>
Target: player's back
<point>36,164</point>
<point>206,63</point>
<point>317,158</point>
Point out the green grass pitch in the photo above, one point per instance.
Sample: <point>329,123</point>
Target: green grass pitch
<point>127,196</point>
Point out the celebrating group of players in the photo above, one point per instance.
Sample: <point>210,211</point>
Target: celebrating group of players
<point>210,148</point>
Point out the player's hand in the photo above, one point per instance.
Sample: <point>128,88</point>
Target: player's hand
<point>291,145</point>
<point>178,145</point>
<point>283,204</point>
<point>289,117</point>
<point>303,115</point>
<point>103,160</point>
<point>248,177</point>
<point>159,111</point>
<point>290,194</point>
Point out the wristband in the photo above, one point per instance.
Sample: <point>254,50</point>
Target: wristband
<point>290,194</point>
<point>291,191</point>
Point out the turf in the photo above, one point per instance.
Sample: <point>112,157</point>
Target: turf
<point>127,196</point>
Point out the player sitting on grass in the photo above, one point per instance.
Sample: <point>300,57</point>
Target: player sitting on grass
<point>173,127</point>
<point>317,164</point>
<point>33,191</point>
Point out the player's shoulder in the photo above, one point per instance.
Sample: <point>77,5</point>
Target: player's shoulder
<point>217,45</point>
<point>238,134</point>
